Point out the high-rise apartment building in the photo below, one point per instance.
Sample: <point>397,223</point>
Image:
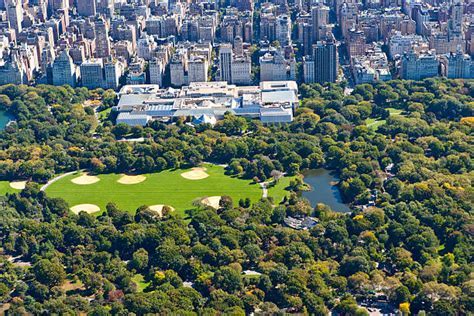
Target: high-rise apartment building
<point>225,62</point>
<point>241,70</point>
<point>113,70</point>
<point>325,63</point>
<point>319,18</point>
<point>86,7</point>
<point>156,70</point>
<point>283,30</point>
<point>92,74</point>
<point>197,69</point>
<point>456,21</point>
<point>102,41</point>
<point>14,14</point>
<point>459,65</point>
<point>419,66</point>
<point>277,68</point>
<point>64,70</point>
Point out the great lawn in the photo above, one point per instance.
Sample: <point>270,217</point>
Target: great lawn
<point>374,124</point>
<point>166,187</point>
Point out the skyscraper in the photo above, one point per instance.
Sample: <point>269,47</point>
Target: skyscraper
<point>92,74</point>
<point>197,69</point>
<point>14,14</point>
<point>419,66</point>
<point>102,41</point>
<point>458,66</point>
<point>319,18</point>
<point>64,70</point>
<point>113,71</point>
<point>156,71</point>
<point>456,17</point>
<point>225,62</point>
<point>325,62</point>
<point>86,7</point>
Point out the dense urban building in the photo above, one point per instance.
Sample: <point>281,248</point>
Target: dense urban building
<point>322,66</point>
<point>419,66</point>
<point>106,43</point>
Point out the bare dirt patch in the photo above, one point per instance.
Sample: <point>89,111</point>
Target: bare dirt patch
<point>18,185</point>
<point>158,208</point>
<point>197,173</point>
<point>88,208</point>
<point>128,179</point>
<point>72,285</point>
<point>212,201</point>
<point>85,179</point>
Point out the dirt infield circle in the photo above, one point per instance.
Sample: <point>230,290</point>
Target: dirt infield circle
<point>88,208</point>
<point>85,179</point>
<point>18,185</point>
<point>127,179</point>
<point>212,201</point>
<point>158,208</point>
<point>195,174</point>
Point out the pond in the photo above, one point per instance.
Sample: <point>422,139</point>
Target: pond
<point>4,119</point>
<point>324,190</point>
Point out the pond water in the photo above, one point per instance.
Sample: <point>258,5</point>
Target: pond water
<point>324,190</point>
<point>4,119</point>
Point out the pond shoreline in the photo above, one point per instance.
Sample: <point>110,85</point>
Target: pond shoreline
<point>5,119</point>
<point>322,188</point>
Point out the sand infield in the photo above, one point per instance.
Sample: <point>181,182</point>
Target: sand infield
<point>158,208</point>
<point>88,208</point>
<point>85,179</point>
<point>18,185</point>
<point>127,179</point>
<point>212,201</point>
<point>197,173</point>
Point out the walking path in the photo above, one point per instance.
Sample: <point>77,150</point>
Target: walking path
<point>263,185</point>
<point>44,187</point>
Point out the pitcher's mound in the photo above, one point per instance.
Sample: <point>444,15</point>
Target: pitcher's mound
<point>18,185</point>
<point>85,179</point>
<point>158,208</point>
<point>131,179</point>
<point>212,201</point>
<point>88,208</point>
<point>195,174</point>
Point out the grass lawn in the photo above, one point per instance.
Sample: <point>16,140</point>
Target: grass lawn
<point>278,192</point>
<point>376,123</point>
<point>6,188</point>
<point>140,282</point>
<point>104,114</point>
<point>166,187</point>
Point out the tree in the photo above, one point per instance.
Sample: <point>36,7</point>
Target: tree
<point>49,273</point>
<point>120,130</point>
<point>226,202</point>
<point>354,264</point>
<point>443,308</point>
<point>253,253</point>
<point>228,279</point>
<point>400,295</point>
<point>139,260</point>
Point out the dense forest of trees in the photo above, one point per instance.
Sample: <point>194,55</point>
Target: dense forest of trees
<point>415,246</point>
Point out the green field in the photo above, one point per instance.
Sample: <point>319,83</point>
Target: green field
<point>103,115</point>
<point>166,187</point>
<point>140,282</point>
<point>6,188</point>
<point>278,192</point>
<point>376,123</point>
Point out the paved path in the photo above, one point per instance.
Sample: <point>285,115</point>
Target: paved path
<point>44,187</point>
<point>263,185</point>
